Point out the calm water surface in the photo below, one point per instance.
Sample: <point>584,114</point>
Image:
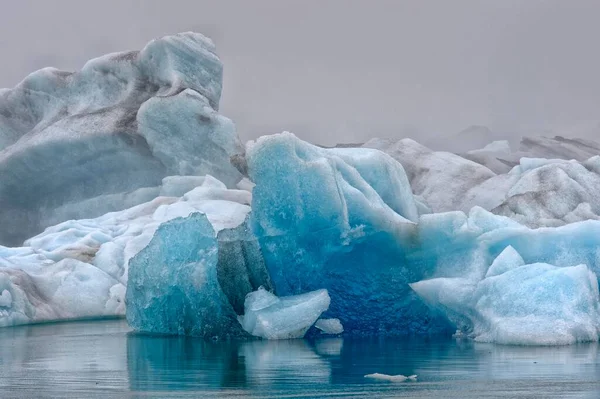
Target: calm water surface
<point>104,359</point>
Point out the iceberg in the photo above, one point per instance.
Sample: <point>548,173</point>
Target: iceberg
<point>536,187</point>
<point>125,192</point>
<point>122,123</point>
<point>79,268</point>
<point>326,219</point>
<point>535,304</point>
<point>173,286</point>
<point>520,286</point>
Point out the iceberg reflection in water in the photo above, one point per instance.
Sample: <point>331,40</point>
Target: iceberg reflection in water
<point>104,359</point>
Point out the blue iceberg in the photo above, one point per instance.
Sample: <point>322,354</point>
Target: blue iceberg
<point>173,286</point>
<point>535,304</point>
<point>326,218</point>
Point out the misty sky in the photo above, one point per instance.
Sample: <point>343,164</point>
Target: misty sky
<point>341,70</point>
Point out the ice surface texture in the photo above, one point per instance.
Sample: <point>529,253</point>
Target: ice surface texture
<point>531,189</point>
<point>536,304</point>
<point>123,122</point>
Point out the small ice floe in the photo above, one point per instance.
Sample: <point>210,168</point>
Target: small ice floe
<point>330,326</point>
<point>391,378</point>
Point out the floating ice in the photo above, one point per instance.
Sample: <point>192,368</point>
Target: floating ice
<point>173,286</point>
<point>268,316</point>
<point>488,239</point>
<point>79,268</point>
<point>330,326</point>
<point>391,378</point>
<point>533,304</point>
<point>122,123</point>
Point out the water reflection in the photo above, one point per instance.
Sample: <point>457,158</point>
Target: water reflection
<point>103,359</point>
<point>180,363</point>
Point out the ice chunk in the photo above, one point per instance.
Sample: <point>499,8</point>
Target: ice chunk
<point>550,193</point>
<point>535,304</point>
<point>551,182</point>
<point>68,289</point>
<point>173,286</point>
<point>391,378</point>
<point>330,326</point>
<point>79,268</point>
<point>270,317</point>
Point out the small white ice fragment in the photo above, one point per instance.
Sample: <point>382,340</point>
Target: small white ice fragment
<point>391,378</point>
<point>330,326</point>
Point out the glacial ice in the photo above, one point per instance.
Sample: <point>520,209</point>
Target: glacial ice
<point>349,238</point>
<point>430,172</point>
<point>79,268</point>
<point>122,123</point>
<point>173,286</point>
<point>534,304</point>
<point>329,326</point>
<point>520,286</point>
<point>148,199</point>
<point>534,190</point>
<point>270,317</point>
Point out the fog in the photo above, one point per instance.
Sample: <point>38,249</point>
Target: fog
<point>343,71</point>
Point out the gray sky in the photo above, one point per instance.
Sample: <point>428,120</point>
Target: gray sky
<point>342,70</point>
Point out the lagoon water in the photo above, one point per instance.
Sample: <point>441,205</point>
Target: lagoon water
<point>103,359</point>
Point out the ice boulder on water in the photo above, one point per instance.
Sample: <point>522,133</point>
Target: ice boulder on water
<point>329,326</point>
<point>534,304</point>
<point>268,316</point>
<point>173,286</point>
<point>340,219</point>
<point>79,268</point>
